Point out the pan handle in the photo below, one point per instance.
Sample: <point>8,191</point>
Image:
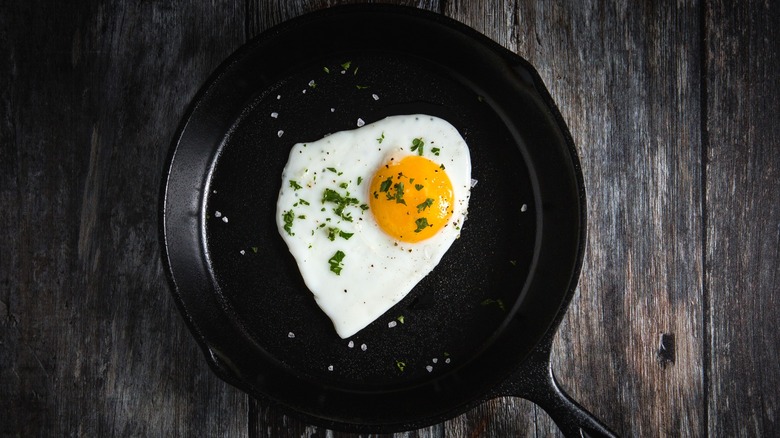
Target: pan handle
<point>535,381</point>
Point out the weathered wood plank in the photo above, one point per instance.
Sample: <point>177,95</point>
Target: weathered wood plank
<point>626,80</point>
<point>743,217</point>
<point>92,344</point>
<point>632,99</point>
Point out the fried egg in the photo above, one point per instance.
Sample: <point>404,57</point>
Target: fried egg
<point>368,213</point>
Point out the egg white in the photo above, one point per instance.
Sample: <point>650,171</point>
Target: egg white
<point>377,271</point>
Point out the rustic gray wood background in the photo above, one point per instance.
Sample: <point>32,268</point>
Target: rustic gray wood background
<point>674,109</point>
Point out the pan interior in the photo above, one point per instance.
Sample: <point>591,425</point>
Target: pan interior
<point>453,313</point>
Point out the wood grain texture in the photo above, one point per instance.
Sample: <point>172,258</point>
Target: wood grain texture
<point>673,108</point>
<point>625,78</point>
<point>92,344</point>
<point>743,220</point>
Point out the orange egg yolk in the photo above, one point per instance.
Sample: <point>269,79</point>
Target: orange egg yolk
<point>411,199</point>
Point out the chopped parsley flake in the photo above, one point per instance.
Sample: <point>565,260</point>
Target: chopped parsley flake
<point>336,262</point>
<point>361,87</point>
<point>441,167</point>
<point>312,84</point>
<point>343,185</point>
<point>360,180</point>
<point>422,223</point>
<point>427,203</point>
<point>332,169</point>
<point>341,203</point>
<point>399,193</point>
<point>294,184</point>
<point>335,232</point>
<point>400,364</point>
<point>497,302</point>
<point>417,145</point>
<point>364,207</point>
<point>385,186</point>
<point>288,218</point>
<point>400,319</point>
<point>435,151</point>
<point>418,187</point>
<point>304,202</point>
<point>326,69</point>
<point>381,138</point>
<point>346,65</point>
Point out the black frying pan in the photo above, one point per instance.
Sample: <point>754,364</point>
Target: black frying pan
<point>479,326</point>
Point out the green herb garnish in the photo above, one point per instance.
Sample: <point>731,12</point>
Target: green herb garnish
<point>332,169</point>
<point>385,186</point>
<point>336,262</point>
<point>422,223</point>
<point>400,319</point>
<point>343,185</point>
<point>288,217</point>
<point>304,202</point>
<point>418,187</point>
<point>335,232</point>
<point>360,180</point>
<point>341,203</point>
<point>399,193</point>
<point>417,145</point>
<point>381,138</point>
<point>427,203</point>
<point>346,65</point>
<point>497,302</point>
<point>361,87</point>
<point>294,184</point>
<point>326,69</point>
<point>435,151</point>
<point>401,365</point>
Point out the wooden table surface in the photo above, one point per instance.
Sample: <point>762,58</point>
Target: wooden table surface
<point>673,107</point>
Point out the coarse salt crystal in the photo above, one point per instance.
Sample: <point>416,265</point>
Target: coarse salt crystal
<point>330,367</point>
<point>429,368</point>
<point>280,133</point>
<point>447,360</point>
<point>524,208</point>
<point>303,91</point>
<point>473,183</point>
<point>351,344</point>
<point>363,347</point>
<point>224,219</point>
<point>278,96</point>
<point>375,96</point>
<point>435,360</point>
<point>392,324</point>
<point>360,122</point>
<point>333,110</point>
<point>217,214</point>
<point>242,252</point>
<point>274,114</point>
<point>291,335</point>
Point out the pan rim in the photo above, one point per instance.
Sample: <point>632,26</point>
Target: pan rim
<point>219,364</point>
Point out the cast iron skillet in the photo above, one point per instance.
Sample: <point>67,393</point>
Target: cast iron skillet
<point>479,326</point>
